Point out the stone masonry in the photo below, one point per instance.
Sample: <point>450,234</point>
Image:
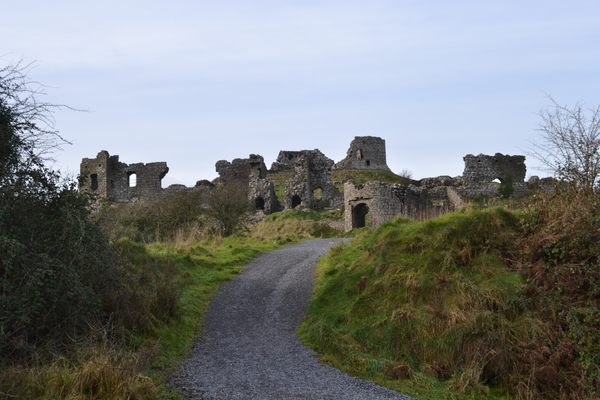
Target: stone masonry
<point>286,160</point>
<point>374,203</point>
<point>108,178</point>
<point>483,175</point>
<point>250,173</point>
<point>311,185</point>
<point>365,152</point>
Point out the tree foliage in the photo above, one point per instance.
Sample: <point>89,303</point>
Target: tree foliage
<point>55,265</point>
<point>570,145</point>
<point>228,207</point>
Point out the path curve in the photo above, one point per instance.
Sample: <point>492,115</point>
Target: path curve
<point>249,348</point>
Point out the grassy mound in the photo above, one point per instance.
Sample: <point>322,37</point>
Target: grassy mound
<point>294,224</point>
<point>430,308</point>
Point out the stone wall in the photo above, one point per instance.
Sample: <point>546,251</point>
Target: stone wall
<point>108,178</point>
<point>374,203</point>
<point>250,173</point>
<point>365,152</point>
<point>286,160</point>
<point>311,185</point>
<point>484,175</point>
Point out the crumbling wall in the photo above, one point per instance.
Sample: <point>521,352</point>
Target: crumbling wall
<point>311,185</point>
<point>365,152</point>
<point>286,160</point>
<point>236,171</point>
<point>108,178</point>
<point>250,173</point>
<point>374,203</point>
<point>547,185</point>
<point>492,176</point>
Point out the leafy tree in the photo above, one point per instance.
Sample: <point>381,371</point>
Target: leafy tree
<point>55,265</point>
<point>229,208</point>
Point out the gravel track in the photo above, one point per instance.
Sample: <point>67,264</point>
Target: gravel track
<point>249,348</point>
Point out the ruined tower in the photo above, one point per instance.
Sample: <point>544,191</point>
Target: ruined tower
<point>365,152</point>
<point>108,178</point>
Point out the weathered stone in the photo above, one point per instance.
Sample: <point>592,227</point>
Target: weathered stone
<point>286,160</point>
<point>483,175</point>
<point>204,183</point>
<point>250,173</point>
<point>443,180</point>
<point>365,152</point>
<point>107,178</point>
<point>373,203</point>
<point>311,185</point>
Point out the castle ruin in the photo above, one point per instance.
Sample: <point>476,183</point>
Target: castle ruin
<point>251,175</point>
<point>311,185</point>
<point>374,203</point>
<point>108,178</point>
<point>484,175</point>
<point>305,181</point>
<point>365,152</point>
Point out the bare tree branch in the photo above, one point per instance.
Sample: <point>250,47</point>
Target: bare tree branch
<point>29,116</point>
<point>570,145</point>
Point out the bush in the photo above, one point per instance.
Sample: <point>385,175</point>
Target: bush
<point>55,264</point>
<point>561,256</point>
<point>229,208</point>
<point>58,273</point>
<point>182,214</point>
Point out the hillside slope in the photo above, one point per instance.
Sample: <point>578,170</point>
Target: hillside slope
<point>440,310</point>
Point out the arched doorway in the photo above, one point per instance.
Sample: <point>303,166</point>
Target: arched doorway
<point>296,201</point>
<point>259,203</point>
<point>359,215</point>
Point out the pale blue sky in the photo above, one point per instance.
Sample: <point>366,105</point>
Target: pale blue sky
<point>192,82</point>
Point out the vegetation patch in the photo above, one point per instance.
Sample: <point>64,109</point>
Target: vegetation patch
<point>451,309</point>
<point>362,176</point>
<point>158,294</point>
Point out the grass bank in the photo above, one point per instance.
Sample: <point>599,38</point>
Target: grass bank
<point>444,309</point>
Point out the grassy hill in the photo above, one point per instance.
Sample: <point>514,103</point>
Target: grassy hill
<point>454,308</point>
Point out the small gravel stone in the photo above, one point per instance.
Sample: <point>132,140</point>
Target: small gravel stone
<point>249,348</point>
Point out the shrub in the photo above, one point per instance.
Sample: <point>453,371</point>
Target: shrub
<point>164,219</point>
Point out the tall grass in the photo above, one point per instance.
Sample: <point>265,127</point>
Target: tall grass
<point>156,310</point>
<point>437,309</point>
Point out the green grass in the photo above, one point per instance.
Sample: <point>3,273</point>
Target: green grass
<point>434,299</point>
<point>363,176</point>
<point>279,179</point>
<point>202,268</point>
<point>169,287</point>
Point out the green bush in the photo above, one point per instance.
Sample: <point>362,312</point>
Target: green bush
<point>163,219</point>
<point>58,274</point>
<point>55,264</point>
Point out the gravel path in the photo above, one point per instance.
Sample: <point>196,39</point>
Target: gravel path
<point>249,349</point>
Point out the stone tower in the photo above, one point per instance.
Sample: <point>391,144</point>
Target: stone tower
<point>365,152</point>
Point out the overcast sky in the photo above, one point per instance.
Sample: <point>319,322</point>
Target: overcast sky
<point>193,82</point>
